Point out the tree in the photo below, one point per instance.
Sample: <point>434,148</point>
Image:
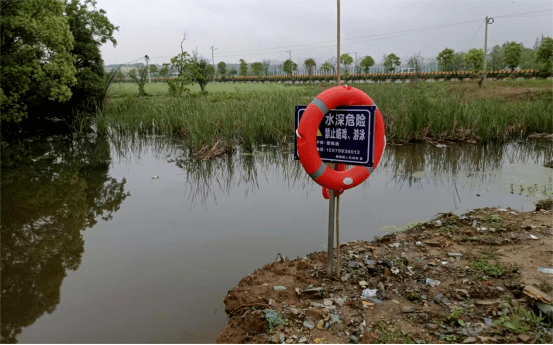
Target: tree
<point>445,59</point>
<point>63,72</point>
<point>243,67</point>
<point>512,52</point>
<point>289,66</point>
<point>164,71</point>
<point>326,67</point>
<point>181,63</point>
<point>153,69</point>
<point>346,60</point>
<point>257,68</point>
<point>459,62</point>
<point>389,61</point>
<point>202,71</point>
<point>36,61</point>
<point>366,63</point>
<point>233,72</point>
<point>266,65</point>
<point>496,61</point>
<point>222,68</point>
<point>139,78</point>
<point>544,54</point>
<point>120,75</point>
<point>310,65</point>
<point>527,58</point>
<point>474,58</point>
<point>333,63</point>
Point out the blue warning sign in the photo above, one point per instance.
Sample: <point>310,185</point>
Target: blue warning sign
<point>345,135</point>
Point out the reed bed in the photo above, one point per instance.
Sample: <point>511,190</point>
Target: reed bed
<point>264,115</point>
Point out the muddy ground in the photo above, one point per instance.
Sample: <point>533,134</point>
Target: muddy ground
<point>455,279</point>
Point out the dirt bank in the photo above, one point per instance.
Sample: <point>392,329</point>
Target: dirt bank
<point>460,279</point>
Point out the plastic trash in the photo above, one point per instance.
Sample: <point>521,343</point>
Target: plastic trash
<point>546,270</point>
<point>154,177</point>
<point>533,237</point>
<point>432,282</point>
<point>418,243</point>
<point>394,270</point>
<point>368,293</point>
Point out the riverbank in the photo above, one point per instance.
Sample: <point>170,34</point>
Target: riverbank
<point>473,278</point>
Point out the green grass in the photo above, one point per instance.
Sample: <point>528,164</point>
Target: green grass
<point>251,114</point>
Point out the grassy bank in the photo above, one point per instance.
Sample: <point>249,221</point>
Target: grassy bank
<point>249,114</point>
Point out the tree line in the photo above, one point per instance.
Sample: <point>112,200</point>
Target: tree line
<point>509,55</point>
<point>51,69</point>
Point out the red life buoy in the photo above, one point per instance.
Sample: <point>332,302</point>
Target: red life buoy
<point>307,138</point>
<point>326,191</point>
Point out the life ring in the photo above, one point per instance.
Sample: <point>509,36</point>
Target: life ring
<point>307,138</point>
<point>326,191</point>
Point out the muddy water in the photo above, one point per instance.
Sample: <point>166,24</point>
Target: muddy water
<point>95,250</point>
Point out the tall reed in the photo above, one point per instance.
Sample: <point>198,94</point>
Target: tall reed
<point>266,116</point>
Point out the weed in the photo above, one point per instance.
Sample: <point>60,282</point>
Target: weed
<point>520,320</point>
<point>273,319</point>
<point>455,317</point>
<point>451,337</point>
<point>483,268</point>
<point>413,296</point>
<point>546,287</point>
<point>387,335</point>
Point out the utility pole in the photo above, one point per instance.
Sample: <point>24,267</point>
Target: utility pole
<point>486,49</point>
<point>213,61</point>
<point>148,67</point>
<point>338,50</point>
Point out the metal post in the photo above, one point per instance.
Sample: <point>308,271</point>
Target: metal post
<point>148,67</point>
<point>485,51</point>
<point>330,234</point>
<point>213,61</point>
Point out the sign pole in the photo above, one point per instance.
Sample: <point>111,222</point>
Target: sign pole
<point>331,200</point>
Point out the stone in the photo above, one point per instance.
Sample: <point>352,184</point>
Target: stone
<point>408,309</point>
<point>488,321</point>
<point>289,341</point>
<point>274,339</point>
<point>485,302</point>
<point>327,302</point>
<point>281,337</point>
<point>279,288</point>
<point>437,223</point>
<point>431,326</point>
<point>309,324</point>
<point>500,288</point>
<point>353,339</point>
<point>381,286</point>
<point>303,340</point>
<point>354,264</point>
<point>340,301</point>
<point>469,340</point>
<point>313,313</point>
<point>485,340</point>
<point>432,282</point>
<point>545,308</point>
<point>335,319</point>
<point>440,298</point>
<point>524,338</point>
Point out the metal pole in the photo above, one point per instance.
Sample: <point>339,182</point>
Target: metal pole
<point>330,234</point>
<point>485,51</point>
<point>338,48</point>
<point>213,61</point>
<point>338,235</point>
<point>148,67</point>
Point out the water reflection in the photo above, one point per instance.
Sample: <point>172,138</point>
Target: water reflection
<point>51,191</point>
<point>411,166</point>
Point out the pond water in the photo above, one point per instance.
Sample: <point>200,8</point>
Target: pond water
<point>96,250</point>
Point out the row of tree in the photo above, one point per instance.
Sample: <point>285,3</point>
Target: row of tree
<point>509,55</point>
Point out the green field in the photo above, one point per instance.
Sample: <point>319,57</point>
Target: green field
<point>251,114</point>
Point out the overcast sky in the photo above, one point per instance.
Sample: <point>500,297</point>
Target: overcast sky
<point>266,29</point>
